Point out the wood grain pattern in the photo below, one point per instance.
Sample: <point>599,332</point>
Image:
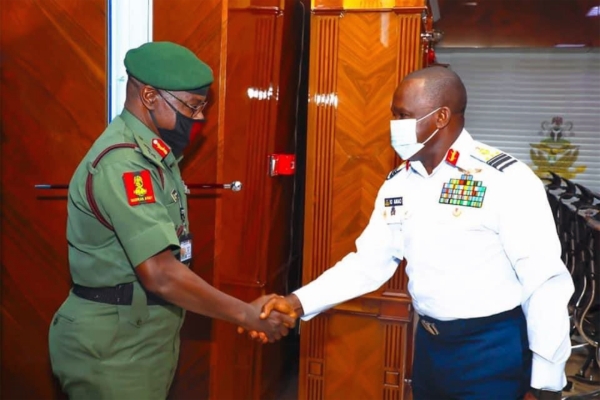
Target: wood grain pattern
<point>366,79</point>
<point>49,120</point>
<point>319,168</point>
<point>349,107</point>
<point>356,61</point>
<point>273,5</point>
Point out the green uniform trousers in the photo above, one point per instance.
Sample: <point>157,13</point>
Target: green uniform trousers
<point>104,351</point>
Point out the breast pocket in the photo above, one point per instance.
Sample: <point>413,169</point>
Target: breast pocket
<point>396,216</point>
<point>395,224</point>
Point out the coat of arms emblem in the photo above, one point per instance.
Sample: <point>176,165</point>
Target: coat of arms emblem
<point>555,153</point>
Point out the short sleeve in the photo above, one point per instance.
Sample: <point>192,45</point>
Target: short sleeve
<point>129,195</point>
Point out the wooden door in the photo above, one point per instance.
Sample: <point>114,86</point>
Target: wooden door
<point>198,26</point>
<point>359,51</point>
<point>241,238</point>
<point>253,226</point>
<point>53,106</point>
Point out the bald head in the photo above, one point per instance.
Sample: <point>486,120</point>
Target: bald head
<point>440,87</point>
<point>436,98</point>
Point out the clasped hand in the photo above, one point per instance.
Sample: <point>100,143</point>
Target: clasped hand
<point>276,317</point>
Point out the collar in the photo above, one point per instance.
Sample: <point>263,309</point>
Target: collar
<point>459,153</point>
<point>151,145</point>
<point>458,156</point>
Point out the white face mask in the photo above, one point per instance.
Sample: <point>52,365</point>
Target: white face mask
<point>404,136</point>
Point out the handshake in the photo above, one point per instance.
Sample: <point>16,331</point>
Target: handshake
<point>271,317</point>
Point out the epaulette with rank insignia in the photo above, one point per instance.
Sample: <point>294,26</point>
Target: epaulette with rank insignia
<point>395,171</point>
<point>493,157</point>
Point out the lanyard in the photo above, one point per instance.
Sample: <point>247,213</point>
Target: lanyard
<point>181,210</point>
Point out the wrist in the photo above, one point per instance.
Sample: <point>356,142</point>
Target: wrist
<point>295,302</point>
<point>247,316</point>
<point>545,394</point>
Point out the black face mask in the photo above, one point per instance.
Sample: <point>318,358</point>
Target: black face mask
<point>178,138</point>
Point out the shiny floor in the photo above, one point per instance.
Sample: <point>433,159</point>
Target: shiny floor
<point>289,390</point>
<point>581,385</point>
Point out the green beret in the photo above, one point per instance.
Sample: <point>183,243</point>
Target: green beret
<point>168,66</point>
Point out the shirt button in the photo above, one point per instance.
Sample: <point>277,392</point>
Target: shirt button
<point>139,322</point>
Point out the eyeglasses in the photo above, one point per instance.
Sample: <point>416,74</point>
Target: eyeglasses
<point>195,110</point>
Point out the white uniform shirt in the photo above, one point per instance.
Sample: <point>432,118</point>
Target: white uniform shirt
<point>479,239</point>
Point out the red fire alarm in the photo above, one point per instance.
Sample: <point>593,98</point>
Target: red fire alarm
<point>282,164</point>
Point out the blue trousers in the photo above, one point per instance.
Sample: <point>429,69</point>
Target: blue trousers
<point>472,359</point>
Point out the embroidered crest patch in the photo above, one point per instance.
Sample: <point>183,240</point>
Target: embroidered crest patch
<point>138,187</point>
<point>463,192</point>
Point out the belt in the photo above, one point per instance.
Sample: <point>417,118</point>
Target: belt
<point>461,326</point>
<point>120,295</point>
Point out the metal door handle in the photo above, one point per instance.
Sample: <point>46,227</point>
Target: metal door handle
<point>234,186</point>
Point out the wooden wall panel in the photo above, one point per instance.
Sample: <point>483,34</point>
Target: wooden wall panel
<point>198,26</point>
<point>53,106</point>
<point>360,349</point>
<point>352,79</point>
<point>366,5</point>
<point>359,52</point>
<point>517,23</point>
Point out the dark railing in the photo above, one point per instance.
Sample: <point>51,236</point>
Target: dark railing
<point>576,211</point>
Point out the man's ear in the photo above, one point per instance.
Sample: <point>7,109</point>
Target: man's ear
<point>148,95</point>
<point>443,118</point>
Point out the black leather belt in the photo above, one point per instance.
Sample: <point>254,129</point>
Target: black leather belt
<point>120,295</point>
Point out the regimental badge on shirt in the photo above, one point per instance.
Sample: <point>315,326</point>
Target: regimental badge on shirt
<point>138,187</point>
<point>463,192</point>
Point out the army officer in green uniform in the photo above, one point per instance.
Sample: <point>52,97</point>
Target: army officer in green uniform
<point>117,334</point>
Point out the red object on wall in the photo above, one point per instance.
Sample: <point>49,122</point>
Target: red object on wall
<point>431,59</point>
<point>282,164</point>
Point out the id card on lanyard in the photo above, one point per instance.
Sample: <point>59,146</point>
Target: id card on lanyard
<point>185,246</point>
<point>185,238</point>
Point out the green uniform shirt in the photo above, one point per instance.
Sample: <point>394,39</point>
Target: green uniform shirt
<point>144,223</point>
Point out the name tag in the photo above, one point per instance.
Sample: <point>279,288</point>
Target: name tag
<point>393,201</point>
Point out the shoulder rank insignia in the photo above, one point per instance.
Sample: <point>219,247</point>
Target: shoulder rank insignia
<point>493,157</point>
<point>396,170</point>
<point>161,147</point>
<point>138,187</point>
